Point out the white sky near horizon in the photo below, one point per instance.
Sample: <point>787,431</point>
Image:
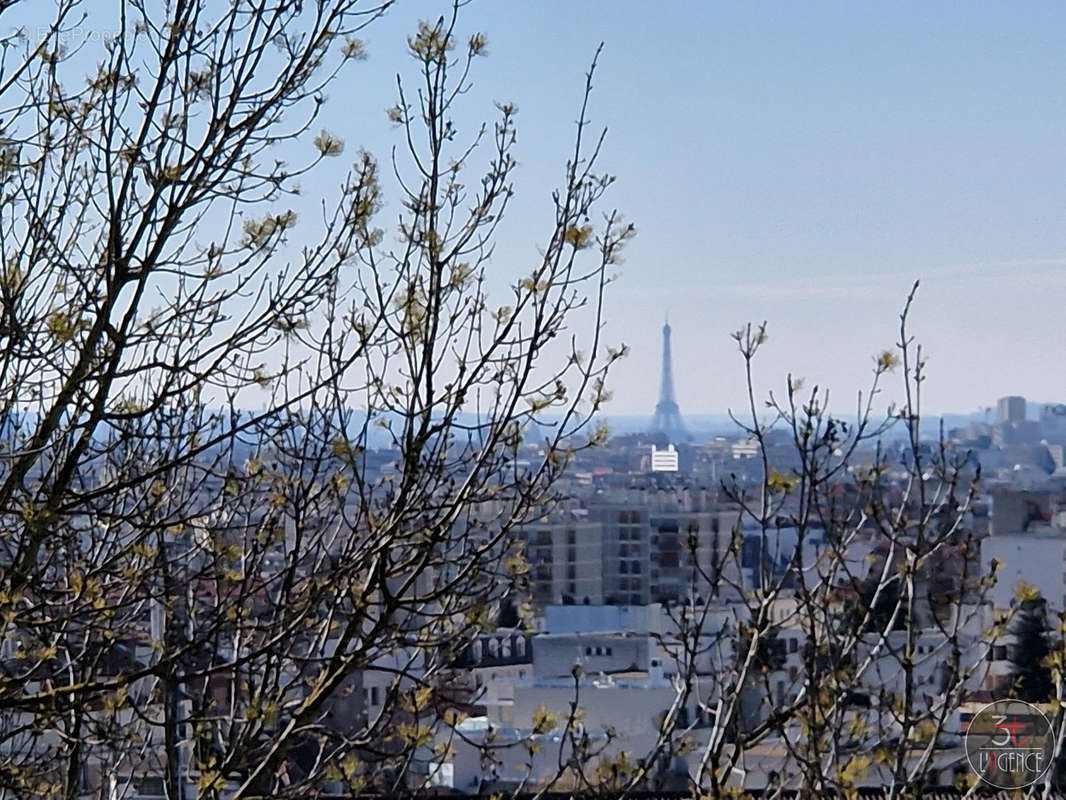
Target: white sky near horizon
<point>798,163</point>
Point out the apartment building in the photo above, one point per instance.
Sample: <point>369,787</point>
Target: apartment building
<point>625,550</point>
<point>632,554</point>
<point>689,556</point>
<point>566,559</point>
<point>1036,557</point>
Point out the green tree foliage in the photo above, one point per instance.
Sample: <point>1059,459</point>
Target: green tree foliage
<point>1027,654</point>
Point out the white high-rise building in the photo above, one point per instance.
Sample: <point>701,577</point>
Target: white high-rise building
<point>664,460</point>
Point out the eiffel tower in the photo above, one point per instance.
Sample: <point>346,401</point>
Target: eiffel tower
<point>667,417</point>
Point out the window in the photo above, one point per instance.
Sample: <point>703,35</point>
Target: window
<point>793,645</point>
<point>520,646</point>
<point>477,650</point>
<point>588,651</point>
<point>494,648</point>
<point>608,651</point>
<point>374,695</point>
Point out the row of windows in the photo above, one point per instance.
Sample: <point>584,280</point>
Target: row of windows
<point>597,651</point>
<point>793,675</point>
<point>498,648</point>
<point>631,584</point>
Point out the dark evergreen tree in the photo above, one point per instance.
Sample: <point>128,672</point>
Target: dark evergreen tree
<point>882,604</point>
<point>509,616</point>
<point>1031,677</point>
<point>879,600</point>
<point>771,654</point>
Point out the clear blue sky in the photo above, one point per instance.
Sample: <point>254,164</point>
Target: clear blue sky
<point>801,163</point>
<point>804,163</point>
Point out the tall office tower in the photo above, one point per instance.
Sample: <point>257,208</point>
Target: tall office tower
<point>1011,409</point>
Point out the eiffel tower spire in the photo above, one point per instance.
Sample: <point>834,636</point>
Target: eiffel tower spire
<point>667,417</point>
